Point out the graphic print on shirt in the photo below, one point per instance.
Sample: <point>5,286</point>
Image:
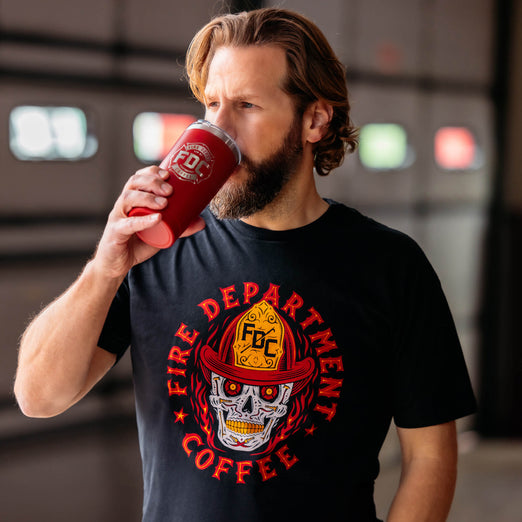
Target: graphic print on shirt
<point>267,369</point>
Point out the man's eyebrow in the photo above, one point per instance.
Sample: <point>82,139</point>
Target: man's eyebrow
<point>240,96</point>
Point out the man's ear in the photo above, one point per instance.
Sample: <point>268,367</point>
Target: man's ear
<point>316,119</point>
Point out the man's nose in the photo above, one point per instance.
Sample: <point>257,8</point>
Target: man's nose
<point>224,120</point>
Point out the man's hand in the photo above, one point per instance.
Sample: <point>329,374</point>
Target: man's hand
<point>119,248</point>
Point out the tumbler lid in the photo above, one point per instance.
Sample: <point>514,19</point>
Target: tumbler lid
<point>220,133</point>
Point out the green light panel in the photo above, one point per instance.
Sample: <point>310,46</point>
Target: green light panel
<point>383,146</point>
<point>41,133</point>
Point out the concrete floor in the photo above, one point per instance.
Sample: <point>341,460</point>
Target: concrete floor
<point>489,485</point>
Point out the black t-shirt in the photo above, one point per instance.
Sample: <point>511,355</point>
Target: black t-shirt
<point>269,364</point>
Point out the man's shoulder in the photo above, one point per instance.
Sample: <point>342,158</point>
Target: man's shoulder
<point>366,227</point>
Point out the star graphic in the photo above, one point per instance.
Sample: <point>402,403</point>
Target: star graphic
<point>310,430</point>
<point>180,416</point>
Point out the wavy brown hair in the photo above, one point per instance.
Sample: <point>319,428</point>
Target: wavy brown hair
<point>314,72</point>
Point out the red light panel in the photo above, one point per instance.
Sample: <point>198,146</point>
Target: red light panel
<point>173,127</point>
<point>455,148</point>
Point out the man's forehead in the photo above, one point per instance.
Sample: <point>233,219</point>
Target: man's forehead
<point>249,68</point>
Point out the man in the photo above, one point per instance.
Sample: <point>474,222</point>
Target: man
<point>274,343</point>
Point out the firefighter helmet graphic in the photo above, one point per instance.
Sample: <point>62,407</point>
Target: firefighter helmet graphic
<point>253,376</point>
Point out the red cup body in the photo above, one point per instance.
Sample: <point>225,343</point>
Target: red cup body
<point>199,163</point>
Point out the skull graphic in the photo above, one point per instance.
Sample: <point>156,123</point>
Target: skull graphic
<point>253,376</point>
<point>247,413</point>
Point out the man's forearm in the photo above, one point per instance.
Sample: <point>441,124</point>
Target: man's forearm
<point>58,347</point>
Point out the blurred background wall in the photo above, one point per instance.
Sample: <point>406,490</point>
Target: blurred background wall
<point>84,85</point>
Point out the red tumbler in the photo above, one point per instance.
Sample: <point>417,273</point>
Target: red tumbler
<point>199,163</point>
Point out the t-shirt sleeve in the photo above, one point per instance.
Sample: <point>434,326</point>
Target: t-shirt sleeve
<point>116,333</point>
<point>431,384</point>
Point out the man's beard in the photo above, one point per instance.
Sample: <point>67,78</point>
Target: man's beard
<point>265,181</point>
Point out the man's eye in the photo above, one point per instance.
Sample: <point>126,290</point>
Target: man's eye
<point>247,105</point>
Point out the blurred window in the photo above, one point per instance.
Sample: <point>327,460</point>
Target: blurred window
<point>384,146</point>
<point>456,148</point>
<point>155,133</point>
<point>42,133</point>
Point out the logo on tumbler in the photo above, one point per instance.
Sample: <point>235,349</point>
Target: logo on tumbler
<point>191,162</point>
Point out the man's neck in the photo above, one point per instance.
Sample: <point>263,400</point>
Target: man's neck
<point>297,205</point>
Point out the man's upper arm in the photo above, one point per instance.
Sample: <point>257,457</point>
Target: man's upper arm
<point>438,441</point>
<point>102,361</point>
<point>429,470</point>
